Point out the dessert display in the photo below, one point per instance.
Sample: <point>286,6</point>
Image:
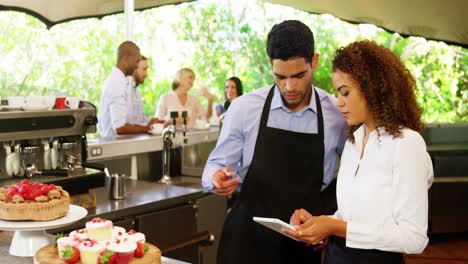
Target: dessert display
<point>37,202</point>
<point>81,234</point>
<point>118,232</point>
<point>90,251</point>
<point>63,242</point>
<point>100,243</point>
<point>136,237</point>
<point>124,252</point>
<point>99,229</point>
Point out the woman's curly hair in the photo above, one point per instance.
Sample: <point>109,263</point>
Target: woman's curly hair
<point>386,84</point>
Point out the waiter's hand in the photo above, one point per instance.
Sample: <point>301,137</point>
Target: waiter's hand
<point>222,182</point>
<point>299,217</point>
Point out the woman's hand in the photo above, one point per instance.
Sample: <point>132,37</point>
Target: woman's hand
<point>315,230</point>
<point>204,92</point>
<point>299,217</point>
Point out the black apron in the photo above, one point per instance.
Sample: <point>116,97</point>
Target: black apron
<point>286,173</point>
<point>337,253</point>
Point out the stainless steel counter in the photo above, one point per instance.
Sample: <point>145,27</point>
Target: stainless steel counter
<point>126,145</point>
<point>142,197</point>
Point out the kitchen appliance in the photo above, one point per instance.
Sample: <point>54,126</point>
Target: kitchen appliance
<point>36,144</point>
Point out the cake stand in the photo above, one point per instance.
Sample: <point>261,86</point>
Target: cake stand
<point>30,235</point>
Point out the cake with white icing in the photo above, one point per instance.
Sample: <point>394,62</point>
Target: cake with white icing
<point>90,250</point>
<point>99,229</point>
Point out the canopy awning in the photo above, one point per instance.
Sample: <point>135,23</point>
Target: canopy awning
<point>432,19</point>
<point>53,12</point>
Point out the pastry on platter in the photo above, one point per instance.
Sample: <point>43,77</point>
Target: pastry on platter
<point>24,201</point>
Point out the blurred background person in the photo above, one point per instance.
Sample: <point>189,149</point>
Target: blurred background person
<point>136,106</point>
<point>179,100</point>
<point>121,109</point>
<point>232,89</point>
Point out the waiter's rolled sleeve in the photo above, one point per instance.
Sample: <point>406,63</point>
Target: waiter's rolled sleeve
<point>209,170</point>
<point>228,150</point>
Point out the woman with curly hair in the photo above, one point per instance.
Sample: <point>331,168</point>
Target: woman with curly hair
<point>385,170</point>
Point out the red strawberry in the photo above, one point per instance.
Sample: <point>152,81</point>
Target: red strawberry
<point>71,254</point>
<point>12,188</point>
<point>24,182</point>
<point>12,192</point>
<point>140,250</point>
<point>35,193</point>
<point>28,196</point>
<point>44,189</point>
<point>52,187</point>
<point>24,189</point>
<point>106,257</point>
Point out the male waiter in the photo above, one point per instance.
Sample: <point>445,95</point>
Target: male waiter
<point>278,148</point>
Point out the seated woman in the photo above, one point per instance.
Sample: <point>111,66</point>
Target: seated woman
<point>179,100</point>
<point>232,89</point>
<point>385,171</point>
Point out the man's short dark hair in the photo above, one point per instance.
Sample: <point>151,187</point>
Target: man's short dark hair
<point>126,48</point>
<point>290,39</point>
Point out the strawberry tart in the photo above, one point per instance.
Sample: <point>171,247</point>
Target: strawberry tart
<point>37,202</point>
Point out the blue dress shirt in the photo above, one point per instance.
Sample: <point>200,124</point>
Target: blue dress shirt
<point>236,142</point>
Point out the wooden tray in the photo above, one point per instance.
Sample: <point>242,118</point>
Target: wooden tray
<point>49,255</point>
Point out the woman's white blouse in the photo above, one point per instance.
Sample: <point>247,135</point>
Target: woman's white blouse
<point>170,102</point>
<point>385,201</point>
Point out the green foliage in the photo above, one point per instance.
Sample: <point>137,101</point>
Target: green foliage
<point>217,39</point>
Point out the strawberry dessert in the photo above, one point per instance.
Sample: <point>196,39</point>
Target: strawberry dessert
<point>118,233</point>
<point>37,202</point>
<point>103,243</point>
<point>63,242</point>
<point>124,251</point>
<point>79,233</point>
<point>90,250</point>
<point>136,237</point>
<point>99,229</point>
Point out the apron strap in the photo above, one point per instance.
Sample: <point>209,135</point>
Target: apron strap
<point>267,106</point>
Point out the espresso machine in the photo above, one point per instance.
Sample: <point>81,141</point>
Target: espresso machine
<point>49,146</point>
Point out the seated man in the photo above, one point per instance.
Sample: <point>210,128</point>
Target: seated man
<point>121,103</point>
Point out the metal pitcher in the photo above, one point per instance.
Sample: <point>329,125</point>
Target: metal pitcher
<point>116,187</point>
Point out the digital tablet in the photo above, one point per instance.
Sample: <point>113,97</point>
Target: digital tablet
<point>275,224</point>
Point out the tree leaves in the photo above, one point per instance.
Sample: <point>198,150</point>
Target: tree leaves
<point>217,39</point>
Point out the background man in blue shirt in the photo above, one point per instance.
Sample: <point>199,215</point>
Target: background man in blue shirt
<point>278,147</point>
